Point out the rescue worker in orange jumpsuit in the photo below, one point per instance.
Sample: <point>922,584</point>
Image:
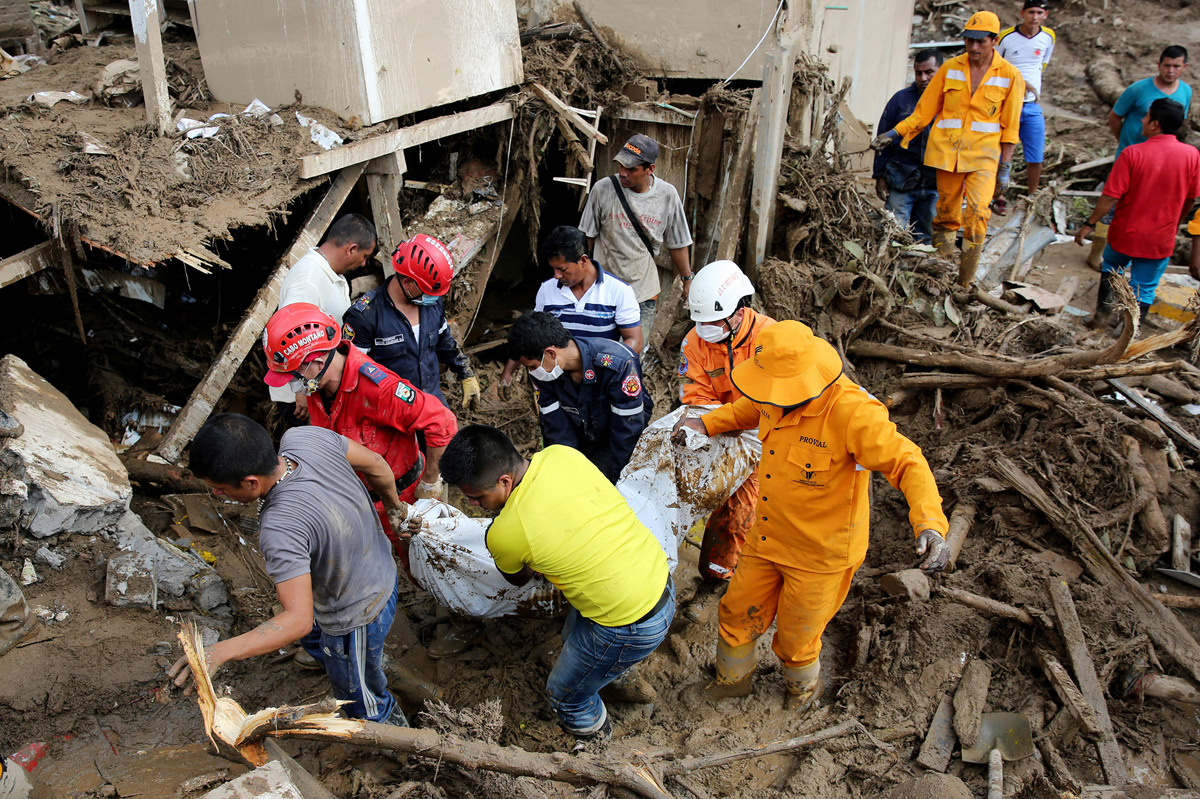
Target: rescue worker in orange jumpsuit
<point>977,99</point>
<point>822,437</point>
<point>354,396</point>
<point>725,334</point>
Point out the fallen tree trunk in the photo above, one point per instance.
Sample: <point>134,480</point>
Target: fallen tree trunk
<point>174,479</point>
<point>967,296</point>
<point>1106,81</point>
<point>992,607</point>
<point>960,525</point>
<point>1122,370</point>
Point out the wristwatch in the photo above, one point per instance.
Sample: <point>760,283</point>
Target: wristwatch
<point>686,278</point>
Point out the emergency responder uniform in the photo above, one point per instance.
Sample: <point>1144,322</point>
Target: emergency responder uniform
<point>704,372</point>
<point>964,143</point>
<point>822,437</point>
<point>603,415</point>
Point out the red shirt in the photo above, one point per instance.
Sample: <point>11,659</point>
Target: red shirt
<point>383,413</point>
<point>1153,182</point>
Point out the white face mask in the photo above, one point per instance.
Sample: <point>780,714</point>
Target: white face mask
<point>296,386</point>
<point>546,376</point>
<point>712,333</point>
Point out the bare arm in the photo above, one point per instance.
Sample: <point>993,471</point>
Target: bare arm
<point>1114,124</point>
<point>631,337</point>
<point>378,474</point>
<point>521,577</point>
<point>1006,152</point>
<point>1105,205</point>
<point>433,455</point>
<point>292,624</point>
<point>683,265</point>
<point>591,240</point>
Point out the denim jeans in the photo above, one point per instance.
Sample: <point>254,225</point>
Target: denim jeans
<point>593,656</point>
<point>354,663</point>
<point>914,208</point>
<point>1144,273</point>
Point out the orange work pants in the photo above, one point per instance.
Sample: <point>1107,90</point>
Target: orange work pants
<point>801,603</point>
<point>726,531</point>
<point>976,188</point>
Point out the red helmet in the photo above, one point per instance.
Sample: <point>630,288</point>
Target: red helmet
<point>294,335</point>
<point>427,261</point>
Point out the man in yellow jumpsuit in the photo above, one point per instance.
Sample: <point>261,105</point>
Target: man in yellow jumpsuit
<point>725,334</point>
<point>977,99</point>
<point>822,437</point>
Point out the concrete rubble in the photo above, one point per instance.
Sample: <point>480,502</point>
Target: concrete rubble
<point>265,782</point>
<point>174,572</point>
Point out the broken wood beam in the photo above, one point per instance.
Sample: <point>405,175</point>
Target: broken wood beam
<point>991,607</point>
<point>373,147</point>
<point>968,296</point>
<point>960,524</point>
<point>938,745</point>
<point>308,785</point>
<point>473,299</point>
<point>969,701</point>
<point>27,262</point>
<point>1089,684</point>
<point>1067,691</point>
<point>947,380</point>
<point>202,401</point>
<point>1161,686</point>
<point>152,66</point>
<point>575,146</point>
<point>1151,520</point>
<point>174,479</point>
<point>1178,600</point>
<point>1156,413</point>
<point>1122,370</point>
<point>568,113</point>
<point>731,215</point>
<point>779,65</point>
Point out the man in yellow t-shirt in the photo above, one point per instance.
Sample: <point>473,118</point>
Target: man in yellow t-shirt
<point>561,517</point>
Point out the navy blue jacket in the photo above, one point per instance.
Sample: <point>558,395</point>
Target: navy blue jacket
<point>603,415</point>
<point>377,327</point>
<point>895,162</point>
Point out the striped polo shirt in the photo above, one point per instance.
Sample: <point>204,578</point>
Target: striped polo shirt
<point>602,310</point>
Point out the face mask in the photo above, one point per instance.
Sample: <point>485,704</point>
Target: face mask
<point>541,374</point>
<point>296,386</point>
<point>424,300</point>
<point>712,333</point>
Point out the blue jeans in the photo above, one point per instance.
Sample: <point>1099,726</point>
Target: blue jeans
<point>914,208</point>
<point>1144,273</point>
<point>593,656</point>
<point>354,663</point>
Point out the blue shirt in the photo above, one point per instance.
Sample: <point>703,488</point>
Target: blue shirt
<point>607,306</point>
<point>377,327</point>
<point>894,162</point>
<point>1135,101</point>
<point>604,413</point>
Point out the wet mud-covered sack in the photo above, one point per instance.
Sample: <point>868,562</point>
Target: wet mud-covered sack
<point>16,619</point>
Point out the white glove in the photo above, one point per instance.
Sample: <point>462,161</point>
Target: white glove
<point>430,490</point>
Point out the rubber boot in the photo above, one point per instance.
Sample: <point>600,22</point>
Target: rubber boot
<point>944,241</point>
<point>1145,306</point>
<point>1102,318</point>
<point>1099,242</point>
<point>458,639</point>
<point>735,670</point>
<point>629,687</point>
<point>707,597</point>
<point>804,685</point>
<point>969,263</point>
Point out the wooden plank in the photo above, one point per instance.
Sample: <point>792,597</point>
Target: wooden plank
<point>26,263</point>
<point>1072,697</point>
<point>1108,159</point>
<point>491,252</point>
<point>587,128</point>
<point>659,115</point>
<point>312,166</point>
<point>383,191</point>
<point>728,229</point>
<point>152,67</point>
<point>1089,684</point>
<point>1066,289</point>
<point>773,110</point>
<point>1155,412</point>
<point>939,741</point>
<point>1181,544</point>
<point>200,405</point>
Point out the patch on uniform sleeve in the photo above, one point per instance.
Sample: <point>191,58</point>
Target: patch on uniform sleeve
<point>631,386</point>
<point>683,364</point>
<point>606,360</point>
<point>405,392</point>
<point>347,332</point>
<point>589,375</point>
<point>720,370</point>
<point>372,373</point>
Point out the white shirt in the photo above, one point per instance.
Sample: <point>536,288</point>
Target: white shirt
<point>607,305</point>
<point>312,280</point>
<point>1029,54</point>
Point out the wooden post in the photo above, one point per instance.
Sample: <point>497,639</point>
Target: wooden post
<point>152,67</point>
<point>26,263</point>
<point>196,412</point>
<point>383,187</point>
<point>773,109</point>
<point>731,208</point>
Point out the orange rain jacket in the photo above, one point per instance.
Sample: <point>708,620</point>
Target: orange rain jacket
<point>814,508</point>
<point>704,368</point>
<point>969,128</point>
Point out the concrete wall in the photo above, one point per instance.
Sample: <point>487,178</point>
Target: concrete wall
<point>871,39</point>
<point>370,59</point>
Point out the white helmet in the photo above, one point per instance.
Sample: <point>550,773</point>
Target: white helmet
<point>716,291</point>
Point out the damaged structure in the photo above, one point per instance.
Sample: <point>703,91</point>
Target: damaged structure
<point>169,162</point>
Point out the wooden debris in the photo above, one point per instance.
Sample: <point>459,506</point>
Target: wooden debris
<point>991,607</point>
<point>1155,413</point>
<point>779,65</point>
<point>586,19</point>
<point>152,66</point>
<point>1106,81</point>
<point>1122,370</point>
<point>1163,687</point>
<point>1089,684</point>
<point>28,262</point>
<point>939,741</point>
<point>1071,696</point>
<point>1139,432</point>
<point>568,113</point>
<point>910,584</point>
<point>1178,600</point>
<point>969,701</point>
<point>574,145</point>
<point>1150,518</point>
<point>174,479</point>
<point>960,524</point>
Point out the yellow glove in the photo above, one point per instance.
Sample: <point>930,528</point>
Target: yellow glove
<point>430,490</point>
<point>470,390</point>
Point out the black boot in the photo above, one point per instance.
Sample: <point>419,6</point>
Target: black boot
<point>1102,318</point>
<point>1145,306</point>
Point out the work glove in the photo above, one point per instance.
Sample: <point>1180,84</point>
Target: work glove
<point>470,390</point>
<point>396,518</point>
<point>1002,175</point>
<point>931,541</point>
<point>431,490</point>
<point>884,140</point>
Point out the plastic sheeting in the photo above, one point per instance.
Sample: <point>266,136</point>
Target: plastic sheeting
<point>669,487</point>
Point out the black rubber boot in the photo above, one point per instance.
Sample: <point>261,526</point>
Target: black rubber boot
<point>1104,303</point>
<point>1145,306</point>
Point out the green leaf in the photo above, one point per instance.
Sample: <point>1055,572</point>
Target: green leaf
<point>855,249</point>
<point>824,295</point>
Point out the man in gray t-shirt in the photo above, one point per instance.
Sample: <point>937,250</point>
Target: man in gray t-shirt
<point>615,241</point>
<point>324,548</point>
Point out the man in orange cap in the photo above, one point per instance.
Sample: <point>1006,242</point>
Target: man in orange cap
<point>977,99</point>
<point>822,437</point>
